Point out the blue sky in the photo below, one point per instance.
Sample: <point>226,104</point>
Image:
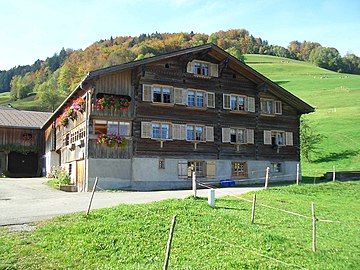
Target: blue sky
<point>34,29</point>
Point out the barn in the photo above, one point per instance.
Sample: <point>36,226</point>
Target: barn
<point>21,142</point>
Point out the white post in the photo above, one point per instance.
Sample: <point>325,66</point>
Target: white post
<point>267,177</point>
<point>194,183</point>
<point>253,209</point>
<point>297,173</point>
<point>211,197</point>
<point>334,173</point>
<point>314,227</point>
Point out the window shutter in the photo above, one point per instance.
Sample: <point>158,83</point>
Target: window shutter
<point>182,132</point>
<point>182,169</point>
<point>289,138</point>
<point>178,96</point>
<point>250,104</point>
<point>184,97</point>
<point>267,137</point>
<point>214,70</point>
<point>145,129</point>
<point>147,93</point>
<point>278,107</point>
<point>226,101</point>
<point>172,94</point>
<point>209,134</point>
<point>176,132</point>
<point>190,67</point>
<point>226,135</point>
<point>210,169</point>
<point>211,100</point>
<point>250,136</point>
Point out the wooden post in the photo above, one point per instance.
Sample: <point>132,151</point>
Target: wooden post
<point>194,183</point>
<point>297,173</point>
<point>334,173</point>
<point>92,195</point>
<point>253,209</point>
<point>168,245</point>
<point>267,177</point>
<point>313,227</point>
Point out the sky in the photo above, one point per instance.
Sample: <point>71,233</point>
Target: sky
<point>34,29</point>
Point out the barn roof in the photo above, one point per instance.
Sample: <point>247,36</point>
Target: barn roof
<point>13,118</point>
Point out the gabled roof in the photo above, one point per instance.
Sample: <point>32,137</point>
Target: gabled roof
<point>256,77</point>
<point>13,118</point>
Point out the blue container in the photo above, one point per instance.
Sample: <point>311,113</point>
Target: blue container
<point>227,183</point>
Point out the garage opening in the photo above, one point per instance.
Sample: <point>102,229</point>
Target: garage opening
<point>23,165</point>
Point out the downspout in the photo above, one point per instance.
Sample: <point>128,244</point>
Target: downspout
<point>87,132</point>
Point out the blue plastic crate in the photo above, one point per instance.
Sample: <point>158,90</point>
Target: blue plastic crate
<point>227,183</point>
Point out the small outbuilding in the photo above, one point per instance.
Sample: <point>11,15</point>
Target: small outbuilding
<point>21,142</point>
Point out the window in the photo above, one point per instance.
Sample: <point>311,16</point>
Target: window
<point>161,163</point>
<point>239,169</point>
<point>161,94</point>
<point>196,98</point>
<point>201,69</point>
<point>275,167</point>
<point>70,169</point>
<point>198,167</point>
<point>66,139</point>
<point>277,138</point>
<point>237,103</point>
<point>195,133</point>
<point>111,128</point>
<point>237,135</point>
<point>160,131</point>
<point>269,106</point>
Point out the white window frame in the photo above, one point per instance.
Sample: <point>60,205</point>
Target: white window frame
<point>171,88</point>
<point>118,126</point>
<point>195,91</point>
<point>202,65</point>
<point>237,102</point>
<point>276,133</point>
<point>203,139</point>
<point>237,135</point>
<point>160,131</point>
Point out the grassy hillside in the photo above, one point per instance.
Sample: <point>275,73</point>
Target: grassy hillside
<point>135,236</point>
<point>337,100</point>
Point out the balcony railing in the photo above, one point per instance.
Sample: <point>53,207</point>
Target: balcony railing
<point>111,113</point>
<point>100,151</point>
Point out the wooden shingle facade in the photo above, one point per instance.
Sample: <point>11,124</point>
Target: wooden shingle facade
<point>198,108</point>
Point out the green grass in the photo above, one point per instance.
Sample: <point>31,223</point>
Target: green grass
<point>135,236</point>
<point>29,103</point>
<point>335,96</point>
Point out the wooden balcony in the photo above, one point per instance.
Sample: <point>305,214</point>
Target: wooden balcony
<point>101,151</point>
<point>111,114</point>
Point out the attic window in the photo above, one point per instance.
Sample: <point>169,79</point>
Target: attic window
<point>167,65</point>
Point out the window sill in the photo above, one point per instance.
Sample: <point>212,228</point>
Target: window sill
<point>162,104</point>
<point>201,76</point>
<point>196,108</point>
<point>267,115</point>
<point>239,112</point>
<point>239,177</point>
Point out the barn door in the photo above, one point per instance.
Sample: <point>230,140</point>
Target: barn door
<point>80,174</point>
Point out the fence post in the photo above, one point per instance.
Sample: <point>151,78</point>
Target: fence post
<point>168,245</point>
<point>334,173</point>
<point>297,173</point>
<point>211,197</point>
<point>253,209</point>
<point>267,177</point>
<point>313,227</point>
<point>92,195</point>
<point>194,183</point>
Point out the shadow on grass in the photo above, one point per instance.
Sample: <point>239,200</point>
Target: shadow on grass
<point>337,156</point>
<point>230,208</point>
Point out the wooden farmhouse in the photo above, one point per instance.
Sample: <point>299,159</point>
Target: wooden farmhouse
<point>21,142</point>
<point>146,124</point>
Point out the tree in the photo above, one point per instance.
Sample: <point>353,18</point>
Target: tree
<point>328,58</point>
<point>309,140</point>
<point>236,53</point>
<point>48,94</point>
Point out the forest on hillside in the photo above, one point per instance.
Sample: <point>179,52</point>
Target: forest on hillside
<point>52,79</point>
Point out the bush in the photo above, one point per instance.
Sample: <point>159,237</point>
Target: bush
<point>60,175</point>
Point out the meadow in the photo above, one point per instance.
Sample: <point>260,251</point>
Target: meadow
<point>135,236</point>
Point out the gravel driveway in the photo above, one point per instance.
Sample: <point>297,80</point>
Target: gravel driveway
<point>25,200</point>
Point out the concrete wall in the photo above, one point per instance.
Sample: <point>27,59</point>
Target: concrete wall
<point>51,159</point>
<point>112,173</point>
<point>145,174</point>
